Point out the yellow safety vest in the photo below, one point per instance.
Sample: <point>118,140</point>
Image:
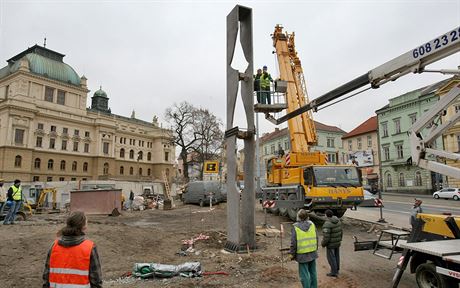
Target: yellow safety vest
<point>265,81</point>
<point>306,240</point>
<point>17,193</point>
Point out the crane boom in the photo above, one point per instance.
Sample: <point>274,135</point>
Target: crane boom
<point>413,61</point>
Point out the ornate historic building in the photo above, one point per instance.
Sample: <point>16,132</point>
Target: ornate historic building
<point>48,134</point>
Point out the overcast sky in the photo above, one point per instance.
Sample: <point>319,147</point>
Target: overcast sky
<point>148,55</point>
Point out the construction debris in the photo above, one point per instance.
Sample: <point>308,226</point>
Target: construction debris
<point>155,270</point>
<point>190,242</point>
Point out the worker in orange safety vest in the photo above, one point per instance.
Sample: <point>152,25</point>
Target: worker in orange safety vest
<point>73,261</point>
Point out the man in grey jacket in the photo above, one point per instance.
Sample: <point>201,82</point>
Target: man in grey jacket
<point>332,238</point>
<point>304,247</point>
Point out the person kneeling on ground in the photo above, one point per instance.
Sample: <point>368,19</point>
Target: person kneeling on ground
<point>73,261</point>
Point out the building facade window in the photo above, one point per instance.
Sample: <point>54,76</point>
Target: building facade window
<point>458,143</point>
<point>49,179</point>
<point>36,179</point>
<point>389,180</point>
<point>53,128</point>
<point>386,153</point>
<point>359,143</point>
<point>65,131</point>
<point>418,179</point>
<point>413,118</point>
<point>62,166</point>
<point>140,171</point>
<point>52,143</point>
<point>49,94</point>
<point>86,148</point>
<point>50,164</point>
<point>75,146</point>
<point>17,161</point>
<point>131,170</point>
<point>149,172</point>
<point>122,170</point>
<point>122,153</point>
<point>105,170</point>
<point>385,129</point>
<point>286,145</point>
<point>85,167</point>
<point>74,165</point>
<point>369,141</point>
<point>61,179</point>
<point>40,126</point>
<point>399,151</point>
<point>39,142</point>
<point>397,123</point>
<point>60,97</point>
<point>131,154</point>
<point>19,136</point>
<point>76,132</point>
<point>350,145</point>
<point>64,145</point>
<point>166,156</point>
<point>330,142</point>
<point>402,182</point>
<point>140,155</point>
<point>149,156</point>
<point>272,149</point>
<point>105,148</point>
<point>87,134</point>
<point>331,158</point>
<point>37,163</point>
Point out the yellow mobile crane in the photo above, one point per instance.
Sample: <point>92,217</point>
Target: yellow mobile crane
<point>302,178</point>
<point>432,250</point>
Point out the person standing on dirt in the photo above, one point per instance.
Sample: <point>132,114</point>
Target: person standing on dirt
<point>417,208</point>
<point>73,259</point>
<point>332,238</point>
<point>131,200</point>
<point>2,196</point>
<point>15,197</point>
<point>304,247</point>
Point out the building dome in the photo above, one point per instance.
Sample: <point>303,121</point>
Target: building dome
<point>43,62</point>
<point>100,93</point>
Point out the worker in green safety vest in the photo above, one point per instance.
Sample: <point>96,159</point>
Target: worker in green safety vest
<point>265,80</point>
<point>304,247</point>
<point>15,198</point>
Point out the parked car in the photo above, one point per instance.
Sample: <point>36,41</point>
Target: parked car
<point>447,193</point>
<point>369,200</point>
<point>201,192</point>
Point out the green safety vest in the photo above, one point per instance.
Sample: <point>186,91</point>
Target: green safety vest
<point>17,192</point>
<point>265,81</point>
<point>306,240</point>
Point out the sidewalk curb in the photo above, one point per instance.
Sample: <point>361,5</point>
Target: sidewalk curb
<point>406,194</point>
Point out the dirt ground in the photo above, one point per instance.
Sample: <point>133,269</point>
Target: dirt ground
<point>156,236</point>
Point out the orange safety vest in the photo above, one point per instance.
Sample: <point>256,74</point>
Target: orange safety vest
<point>69,266</point>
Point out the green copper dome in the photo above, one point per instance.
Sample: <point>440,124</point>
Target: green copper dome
<point>52,69</point>
<point>100,93</point>
<point>43,62</point>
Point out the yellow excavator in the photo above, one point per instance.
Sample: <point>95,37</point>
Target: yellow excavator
<point>39,206</point>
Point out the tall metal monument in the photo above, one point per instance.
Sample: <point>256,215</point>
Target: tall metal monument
<point>240,224</point>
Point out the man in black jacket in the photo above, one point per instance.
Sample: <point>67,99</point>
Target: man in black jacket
<point>332,238</point>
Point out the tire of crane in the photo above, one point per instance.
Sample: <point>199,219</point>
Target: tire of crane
<point>426,277</point>
<point>283,211</point>
<point>292,212</point>
<point>339,212</point>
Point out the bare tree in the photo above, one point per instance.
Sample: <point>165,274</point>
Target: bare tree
<point>182,117</point>
<point>196,130</point>
<point>208,129</point>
